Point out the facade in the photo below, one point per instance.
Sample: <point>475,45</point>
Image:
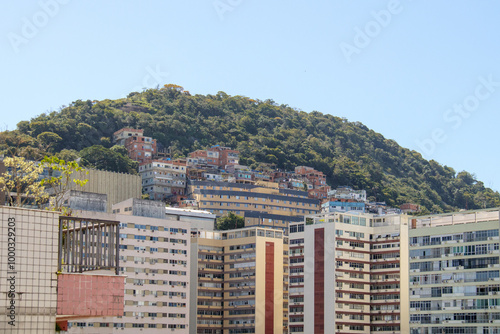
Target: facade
<point>28,305</point>
<point>348,193</point>
<point>345,274</point>
<point>317,178</point>
<point>216,156</point>
<point>240,283</point>
<point>408,208</point>
<point>342,205</point>
<point>262,204</point>
<point>155,245</point>
<point>163,179</point>
<point>319,193</point>
<point>120,136</point>
<point>452,273</point>
<point>344,199</point>
<point>139,147</point>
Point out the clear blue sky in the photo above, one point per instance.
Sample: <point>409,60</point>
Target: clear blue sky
<point>422,73</point>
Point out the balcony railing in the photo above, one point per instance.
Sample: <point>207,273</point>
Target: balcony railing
<point>88,244</point>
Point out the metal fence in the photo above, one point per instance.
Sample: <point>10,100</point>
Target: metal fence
<point>88,244</point>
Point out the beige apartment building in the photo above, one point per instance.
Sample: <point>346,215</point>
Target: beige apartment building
<point>239,286</point>
<point>263,203</point>
<point>345,274</point>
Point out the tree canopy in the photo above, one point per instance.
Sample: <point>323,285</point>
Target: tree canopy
<point>229,221</point>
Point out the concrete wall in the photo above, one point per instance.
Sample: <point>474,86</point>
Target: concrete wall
<point>117,186</point>
<point>79,200</point>
<point>147,208</point>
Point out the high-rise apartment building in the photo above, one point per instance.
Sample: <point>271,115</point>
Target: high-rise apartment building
<point>155,245</point>
<point>239,285</point>
<point>451,272</point>
<point>345,273</point>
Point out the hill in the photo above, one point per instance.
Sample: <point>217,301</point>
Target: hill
<point>266,134</point>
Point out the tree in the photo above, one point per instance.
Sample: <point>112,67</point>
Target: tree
<point>229,222</point>
<point>68,155</point>
<point>60,179</point>
<point>13,144</point>
<point>48,140</point>
<point>120,149</point>
<point>21,182</point>
<point>99,157</point>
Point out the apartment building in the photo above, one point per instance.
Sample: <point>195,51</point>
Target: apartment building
<point>342,205</point>
<point>140,148</point>
<point>409,207</point>
<point>120,136</point>
<point>344,199</point>
<point>317,178</point>
<point>451,272</point>
<point>155,246</point>
<point>263,203</point>
<point>345,273</point>
<point>348,193</point>
<point>163,179</point>
<point>216,156</point>
<point>241,280</point>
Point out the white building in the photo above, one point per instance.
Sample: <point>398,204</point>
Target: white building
<point>453,274</point>
<point>155,255</point>
<point>162,179</point>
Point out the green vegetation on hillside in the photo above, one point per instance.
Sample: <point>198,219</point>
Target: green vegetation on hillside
<point>267,135</point>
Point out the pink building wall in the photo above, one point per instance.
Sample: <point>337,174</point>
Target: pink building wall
<point>83,295</point>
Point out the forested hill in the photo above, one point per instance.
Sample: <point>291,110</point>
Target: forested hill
<point>266,134</point>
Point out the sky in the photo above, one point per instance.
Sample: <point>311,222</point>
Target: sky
<point>425,74</point>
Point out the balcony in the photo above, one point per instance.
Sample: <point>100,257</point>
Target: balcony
<point>88,284</point>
